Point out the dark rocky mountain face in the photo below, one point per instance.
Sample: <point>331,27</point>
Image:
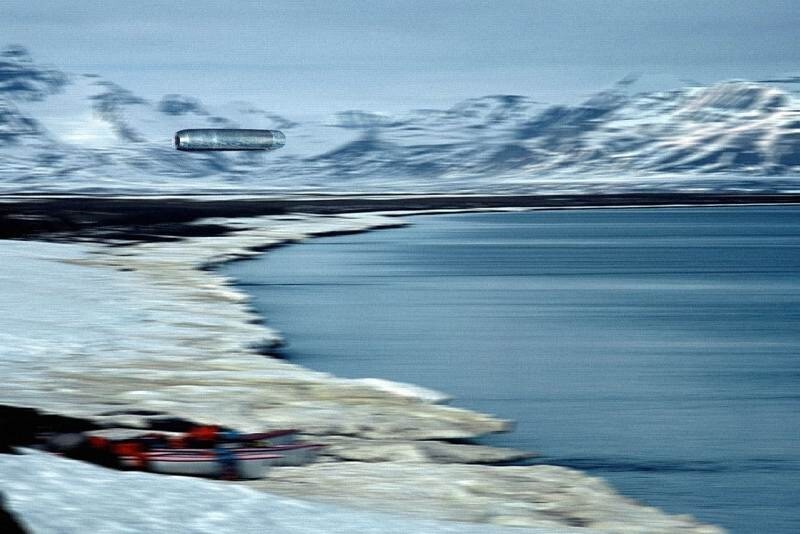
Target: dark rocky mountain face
<point>21,79</point>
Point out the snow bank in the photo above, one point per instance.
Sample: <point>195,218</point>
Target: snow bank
<point>51,494</point>
<point>58,317</point>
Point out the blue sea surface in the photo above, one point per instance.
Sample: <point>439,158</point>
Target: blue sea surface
<point>656,348</point>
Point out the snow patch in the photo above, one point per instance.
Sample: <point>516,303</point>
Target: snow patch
<point>50,494</point>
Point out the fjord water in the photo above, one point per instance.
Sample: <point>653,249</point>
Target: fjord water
<point>657,348</point>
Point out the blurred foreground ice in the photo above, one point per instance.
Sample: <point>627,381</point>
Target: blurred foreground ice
<point>51,494</point>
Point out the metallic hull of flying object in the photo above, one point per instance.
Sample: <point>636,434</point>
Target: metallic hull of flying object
<point>206,139</point>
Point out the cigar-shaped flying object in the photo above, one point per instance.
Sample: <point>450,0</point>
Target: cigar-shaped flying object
<point>203,139</point>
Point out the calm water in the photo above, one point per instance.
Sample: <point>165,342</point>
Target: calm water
<point>659,349</point>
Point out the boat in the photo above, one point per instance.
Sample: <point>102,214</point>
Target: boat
<point>245,464</point>
<point>242,463</point>
<point>289,455</point>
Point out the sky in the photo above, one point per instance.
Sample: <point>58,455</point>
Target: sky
<point>316,57</point>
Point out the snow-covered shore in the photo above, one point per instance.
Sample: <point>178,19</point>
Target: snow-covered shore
<point>51,494</point>
<point>149,326</point>
<point>102,331</point>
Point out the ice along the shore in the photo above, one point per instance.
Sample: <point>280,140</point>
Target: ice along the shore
<point>183,345</point>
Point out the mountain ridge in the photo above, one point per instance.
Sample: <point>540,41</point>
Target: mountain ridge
<point>731,135</point>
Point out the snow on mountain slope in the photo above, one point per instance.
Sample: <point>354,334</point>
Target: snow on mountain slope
<point>82,133</point>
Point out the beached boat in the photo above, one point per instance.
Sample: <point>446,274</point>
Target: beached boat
<point>290,454</point>
<point>204,450</point>
<point>244,463</point>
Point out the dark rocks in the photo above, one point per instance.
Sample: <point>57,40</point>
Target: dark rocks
<point>9,523</point>
<point>23,426</point>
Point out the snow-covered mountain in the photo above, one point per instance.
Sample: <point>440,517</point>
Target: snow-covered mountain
<point>63,132</point>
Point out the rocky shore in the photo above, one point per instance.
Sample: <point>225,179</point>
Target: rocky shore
<point>188,345</point>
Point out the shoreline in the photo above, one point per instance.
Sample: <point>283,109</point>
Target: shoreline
<point>159,218</point>
<point>377,426</point>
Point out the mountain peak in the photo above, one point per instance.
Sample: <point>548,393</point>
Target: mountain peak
<point>17,53</point>
<point>21,79</point>
<point>738,95</point>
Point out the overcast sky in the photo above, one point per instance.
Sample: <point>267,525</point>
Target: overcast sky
<point>327,55</point>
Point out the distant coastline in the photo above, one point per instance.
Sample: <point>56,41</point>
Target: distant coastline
<point>148,218</point>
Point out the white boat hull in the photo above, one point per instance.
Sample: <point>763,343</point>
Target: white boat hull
<point>248,465</point>
<point>287,455</point>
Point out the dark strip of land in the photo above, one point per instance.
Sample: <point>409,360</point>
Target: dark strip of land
<point>166,218</point>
